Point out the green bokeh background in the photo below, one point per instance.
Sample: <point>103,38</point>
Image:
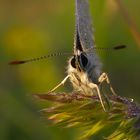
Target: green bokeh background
<point>33,28</point>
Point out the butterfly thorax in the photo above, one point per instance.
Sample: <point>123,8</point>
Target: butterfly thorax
<point>84,68</point>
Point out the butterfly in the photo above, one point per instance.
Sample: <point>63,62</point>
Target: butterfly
<point>84,68</point>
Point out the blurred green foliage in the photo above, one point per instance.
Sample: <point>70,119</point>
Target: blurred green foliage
<point>34,28</point>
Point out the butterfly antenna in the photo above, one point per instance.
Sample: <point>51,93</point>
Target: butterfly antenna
<point>17,62</point>
<point>118,47</point>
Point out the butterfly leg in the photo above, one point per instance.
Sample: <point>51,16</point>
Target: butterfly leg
<point>103,78</point>
<point>60,84</point>
<point>94,86</point>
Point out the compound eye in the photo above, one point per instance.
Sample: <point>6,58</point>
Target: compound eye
<point>84,60</point>
<point>73,62</point>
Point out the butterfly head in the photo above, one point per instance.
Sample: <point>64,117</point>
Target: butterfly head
<point>79,61</point>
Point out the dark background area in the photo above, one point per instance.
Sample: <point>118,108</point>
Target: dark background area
<point>34,28</point>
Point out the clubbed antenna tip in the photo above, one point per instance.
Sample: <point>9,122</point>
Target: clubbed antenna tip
<point>119,47</point>
<point>16,62</point>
